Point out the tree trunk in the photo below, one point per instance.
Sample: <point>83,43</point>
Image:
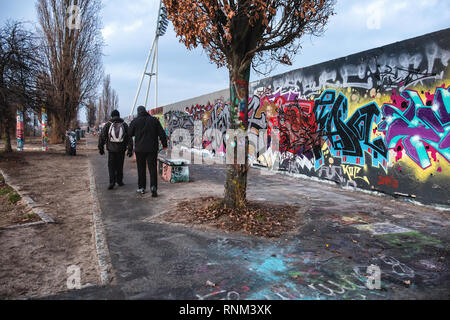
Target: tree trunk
<point>58,130</point>
<point>8,147</point>
<point>236,174</point>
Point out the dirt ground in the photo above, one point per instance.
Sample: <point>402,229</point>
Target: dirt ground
<point>13,210</point>
<point>34,260</point>
<point>15,213</point>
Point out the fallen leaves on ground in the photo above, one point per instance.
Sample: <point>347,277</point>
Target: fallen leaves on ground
<point>255,218</point>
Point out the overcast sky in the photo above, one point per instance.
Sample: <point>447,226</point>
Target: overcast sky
<point>129,28</point>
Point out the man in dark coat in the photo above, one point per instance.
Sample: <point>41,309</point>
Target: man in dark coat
<point>115,135</point>
<point>146,130</point>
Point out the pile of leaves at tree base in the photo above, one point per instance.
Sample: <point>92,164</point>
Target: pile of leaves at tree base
<point>255,218</point>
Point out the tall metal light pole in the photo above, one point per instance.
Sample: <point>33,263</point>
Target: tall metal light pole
<point>161,29</point>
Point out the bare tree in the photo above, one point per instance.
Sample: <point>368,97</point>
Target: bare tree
<point>91,113</point>
<point>114,100</point>
<point>99,111</point>
<point>106,98</point>
<point>19,67</point>
<point>71,49</point>
<point>109,100</point>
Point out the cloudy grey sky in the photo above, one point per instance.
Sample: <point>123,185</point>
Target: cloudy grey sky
<point>129,28</point>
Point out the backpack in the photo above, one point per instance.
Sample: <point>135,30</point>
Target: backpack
<point>116,132</point>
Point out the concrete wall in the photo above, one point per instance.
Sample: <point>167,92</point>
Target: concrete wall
<point>377,120</point>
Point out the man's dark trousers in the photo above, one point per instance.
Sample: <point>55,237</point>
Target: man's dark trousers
<point>115,166</point>
<point>142,160</point>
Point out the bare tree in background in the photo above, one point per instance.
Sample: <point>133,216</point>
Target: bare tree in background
<point>106,98</point>
<point>99,111</point>
<point>114,101</point>
<point>109,100</point>
<point>91,113</point>
<point>72,50</point>
<point>19,67</point>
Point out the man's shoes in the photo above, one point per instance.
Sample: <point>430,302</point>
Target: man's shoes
<point>121,184</point>
<point>141,191</point>
<point>111,186</point>
<point>154,193</point>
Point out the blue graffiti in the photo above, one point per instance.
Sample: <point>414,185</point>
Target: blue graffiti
<point>349,139</point>
<point>420,127</point>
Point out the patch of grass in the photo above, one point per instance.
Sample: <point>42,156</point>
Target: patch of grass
<point>411,239</point>
<point>5,190</point>
<point>14,198</point>
<point>261,217</point>
<point>31,216</point>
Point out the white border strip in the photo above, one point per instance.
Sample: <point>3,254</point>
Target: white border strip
<point>33,205</point>
<point>104,259</point>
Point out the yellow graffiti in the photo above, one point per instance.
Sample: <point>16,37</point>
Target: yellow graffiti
<point>160,117</point>
<point>352,173</point>
<point>440,167</point>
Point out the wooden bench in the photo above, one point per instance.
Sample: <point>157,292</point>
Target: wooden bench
<point>173,170</point>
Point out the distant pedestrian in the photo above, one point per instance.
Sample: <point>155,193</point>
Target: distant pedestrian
<point>115,135</point>
<point>147,129</point>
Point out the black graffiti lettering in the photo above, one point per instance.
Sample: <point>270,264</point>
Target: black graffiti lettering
<point>347,136</point>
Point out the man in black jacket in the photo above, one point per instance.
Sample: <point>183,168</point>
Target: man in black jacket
<point>146,130</point>
<point>115,136</point>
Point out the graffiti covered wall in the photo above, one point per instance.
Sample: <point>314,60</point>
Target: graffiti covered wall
<point>377,120</point>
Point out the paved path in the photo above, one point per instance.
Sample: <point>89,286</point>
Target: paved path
<point>326,259</point>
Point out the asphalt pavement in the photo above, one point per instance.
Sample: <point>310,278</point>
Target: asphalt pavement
<point>351,245</point>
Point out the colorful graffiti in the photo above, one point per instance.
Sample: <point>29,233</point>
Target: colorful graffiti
<point>44,120</point>
<point>19,133</point>
<point>379,120</point>
<point>275,271</point>
<point>298,128</point>
<point>215,120</point>
<point>349,139</point>
<point>420,130</point>
<point>173,171</point>
<point>178,120</point>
